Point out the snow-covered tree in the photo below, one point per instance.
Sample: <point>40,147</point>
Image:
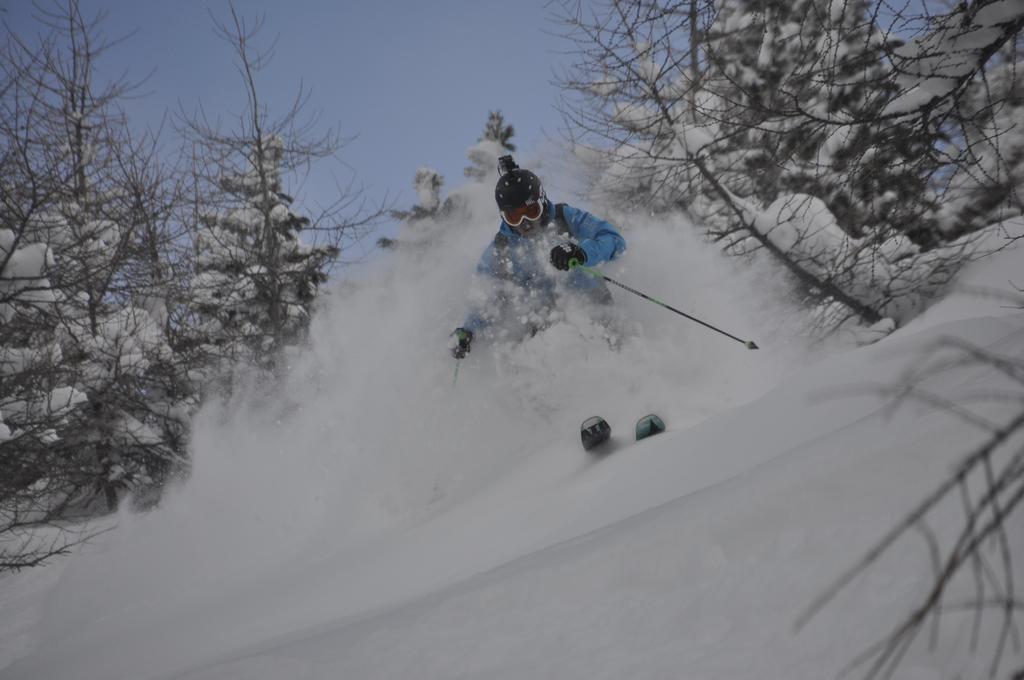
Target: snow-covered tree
<point>497,130</point>
<point>427,183</point>
<point>37,484</point>
<point>795,75</point>
<point>432,215</point>
<point>731,110</point>
<point>84,412</point>
<point>988,187</point>
<point>259,262</point>
<point>255,280</point>
<point>497,137</point>
<point>891,277</point>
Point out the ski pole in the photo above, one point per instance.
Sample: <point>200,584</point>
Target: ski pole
<point>575,264</point>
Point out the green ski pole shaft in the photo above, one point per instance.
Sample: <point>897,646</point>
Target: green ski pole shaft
<point>575,264</point>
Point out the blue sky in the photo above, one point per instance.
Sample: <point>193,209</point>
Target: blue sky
<point>413,80</point>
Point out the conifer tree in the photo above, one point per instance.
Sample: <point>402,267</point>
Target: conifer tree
<point>259,262</point>
<point>795,74</point>
<point>990,187</point>
<point>774,131</point>
<point>427,183</point>
<point>497,130</point>
<point>496,141</point>
<point>86,415</point>
<point>255,279</point>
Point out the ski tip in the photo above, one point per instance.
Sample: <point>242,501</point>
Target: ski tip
<point>648,426</point>
<point>751,344</point>
<point>594,431</point>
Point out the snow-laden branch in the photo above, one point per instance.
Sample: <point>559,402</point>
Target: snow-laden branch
<point>933,69</point>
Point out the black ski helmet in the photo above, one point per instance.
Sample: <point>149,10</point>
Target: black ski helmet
<point>516,187</point>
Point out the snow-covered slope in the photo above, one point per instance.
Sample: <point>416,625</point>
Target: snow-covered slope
<point>382,522</point>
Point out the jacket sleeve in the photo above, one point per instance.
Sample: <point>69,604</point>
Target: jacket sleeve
<point>599,240</point>
<point>485,268</point>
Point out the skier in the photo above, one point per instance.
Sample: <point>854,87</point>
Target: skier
<point>536,235</point>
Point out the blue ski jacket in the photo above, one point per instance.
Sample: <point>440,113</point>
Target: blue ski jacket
<point>511,257</point>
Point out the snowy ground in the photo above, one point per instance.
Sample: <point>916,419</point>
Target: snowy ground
<point>380,521</point>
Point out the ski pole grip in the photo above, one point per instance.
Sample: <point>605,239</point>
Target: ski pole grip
<point>576,264</point>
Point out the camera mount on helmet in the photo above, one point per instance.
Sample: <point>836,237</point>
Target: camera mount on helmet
<point>506,165</point>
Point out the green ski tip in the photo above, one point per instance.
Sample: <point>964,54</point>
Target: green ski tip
<point>751,345</point>
<point>648,426</point>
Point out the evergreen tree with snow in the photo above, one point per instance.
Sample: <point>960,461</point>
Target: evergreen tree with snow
<point>816,173</point>
<point>498,131</point>
<point>989,188</point>
<point>804,82</point>
<point>260,263</point>
<point>427,183</point>
<point>496,141</point>
<point>428,218</point>
<point>767,129</point>
<point>86,416</point>
<point>255,280</point>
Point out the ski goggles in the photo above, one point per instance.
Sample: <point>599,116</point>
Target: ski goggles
<point>530,212</point>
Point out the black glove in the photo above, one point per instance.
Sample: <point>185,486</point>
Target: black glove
<point>459,342</point>
<point>562,254</point>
